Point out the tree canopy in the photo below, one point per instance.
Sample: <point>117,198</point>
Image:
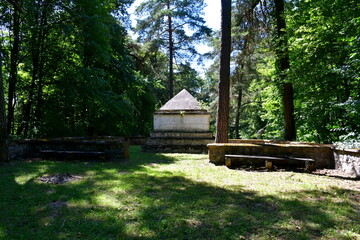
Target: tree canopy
<point>72,73</point>
<point>70,68</point>
<point>323,65</point>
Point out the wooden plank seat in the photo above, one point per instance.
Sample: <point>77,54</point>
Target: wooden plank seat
<point>231,159</point>
<point>78,155</point>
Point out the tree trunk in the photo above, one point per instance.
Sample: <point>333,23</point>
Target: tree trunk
<point>290,131</point>
<point>4,148</point>
<point>41,39</point>
<point>239,102</point>
<point>14,58</point>
<point>171,54</point>
<point>36,87</point>
<point>238,108</point>
<point>283,65</point>
<point>26,114</point>
<point>222,123</point>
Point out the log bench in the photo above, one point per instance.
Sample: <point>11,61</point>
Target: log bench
<point>72,155</point>
<point>231,159</point>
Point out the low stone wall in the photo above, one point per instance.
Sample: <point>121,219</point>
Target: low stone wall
<point>348,161</point>
<point>19,151</point>
<point>178,142</point>
<point>136,140</point>
<point>114,148</point>
<point>322,154</point>
<point>274,141</point>
<point>175,148</point>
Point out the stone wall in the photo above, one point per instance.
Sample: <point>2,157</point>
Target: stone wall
<point>325,156</point>
<point>322,154</point>
<point>18,151</point>
<point>178,121</point>
<point>348,161</point>
<point>114,148</point>
<point>178,142</point>
<point>136,140</point>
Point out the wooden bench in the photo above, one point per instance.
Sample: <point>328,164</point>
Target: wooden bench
<point>74,155</point>
<point>230,159</point>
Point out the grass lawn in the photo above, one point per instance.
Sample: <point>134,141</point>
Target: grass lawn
<point>173,196</point>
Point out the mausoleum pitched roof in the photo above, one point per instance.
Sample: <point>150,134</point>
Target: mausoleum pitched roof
<point>183,101</point>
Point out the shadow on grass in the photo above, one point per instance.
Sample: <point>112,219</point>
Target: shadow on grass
<point>129,201</point>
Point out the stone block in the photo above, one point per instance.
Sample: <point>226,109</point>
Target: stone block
<point>348,161</point>
<point>182,122</point>
<point>322,154</point>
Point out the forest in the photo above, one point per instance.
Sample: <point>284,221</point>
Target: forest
<point>74,67</point>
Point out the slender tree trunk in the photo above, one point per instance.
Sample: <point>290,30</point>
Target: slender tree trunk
<point>26,113</point>
<point>239,102</point>
<point>14,58</point>
<point>42,40</point>
<point>171,54</point>
<point>222,123</point>
<point>25,124</point>
<point>36,87</point>
<point>4,148</point>
<point>238,109</point>
<point>284,64</point>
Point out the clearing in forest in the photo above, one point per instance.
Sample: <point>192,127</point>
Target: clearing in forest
<point>172,196</point>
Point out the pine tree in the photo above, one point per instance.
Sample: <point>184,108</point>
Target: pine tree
<point>224,78</point>
<point>173,25</point>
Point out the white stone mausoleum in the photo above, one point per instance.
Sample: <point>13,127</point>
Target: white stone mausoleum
<point>181,125</point>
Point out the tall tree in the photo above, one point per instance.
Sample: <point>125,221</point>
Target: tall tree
<point>249,34</point>
<point>222,121</point>
<point>171,51</point>
<point>174,26</point>
<point>4,157</point>
<point>4,148</point>
<point>37,16</point>
<point>283,63</point>
<point>14,60</point>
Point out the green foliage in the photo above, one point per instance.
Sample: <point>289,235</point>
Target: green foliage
<point>78,72</point>
<point>325,67</point>
<point>151,63</point>
<point>324,70</point>
<point>256,110</point>
<point>76,75</point>
<point>188,78</point>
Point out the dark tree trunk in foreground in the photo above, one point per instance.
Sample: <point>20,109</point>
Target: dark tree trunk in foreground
<point>290,131</point>
<point>14,58</point>
<point>284,65</point>
<point>224,78</point>
<point>4,156</point>
<point>171,54</point>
